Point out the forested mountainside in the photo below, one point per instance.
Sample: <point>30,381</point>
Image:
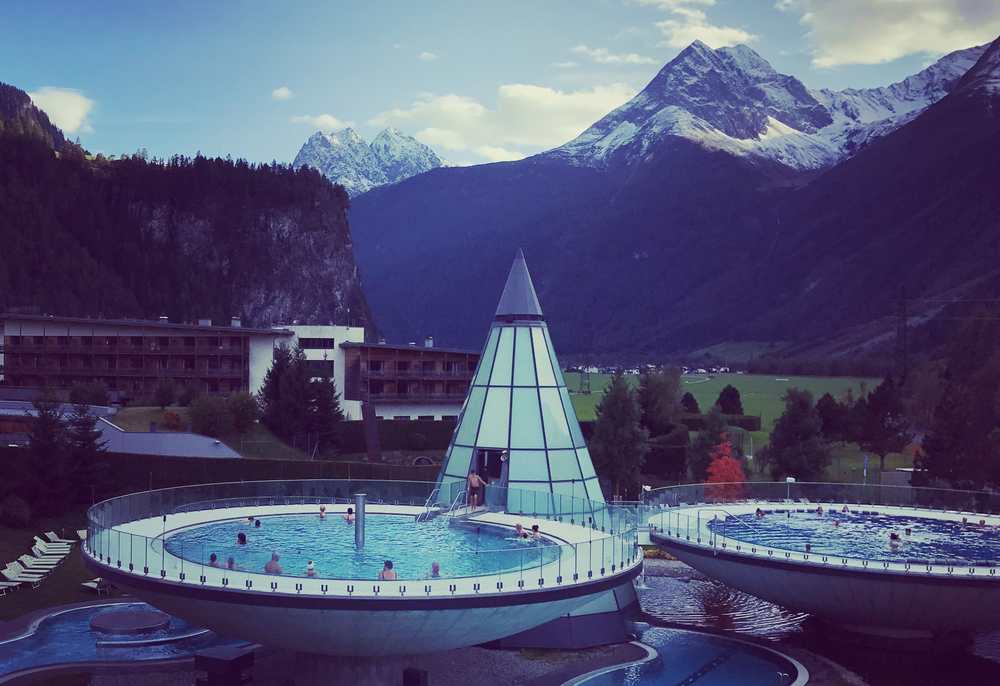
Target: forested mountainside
<point>672,225</point>
<point>186,238</point>
<point>19,115</point>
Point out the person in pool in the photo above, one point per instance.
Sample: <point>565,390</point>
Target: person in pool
<point>256,523</point>
<point>213,560</point>
<point>907,531</point>
<point>759,514</point>
<point>231,564</point>
<point>387,573</point>
<point>349,517</point>
<point>250,519</point>
<point>272,566</point>
<point>322,511</point>
<point>310,569</point>
<point>894,541</point>
<point>241,538</point>
<point>819,510</point>
<point>518,529</point>
<point>845,509</point>
<point>435,571</point>
<point>535,533</point>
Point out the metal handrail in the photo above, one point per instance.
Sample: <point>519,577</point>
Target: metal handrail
<point>427,504</point>
<point>455,502</point>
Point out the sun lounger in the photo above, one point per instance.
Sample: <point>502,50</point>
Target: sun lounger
<point>38,563</point>
<point>52,548</point>
<point>96,585</point>
<point>51,536</point>
<point>6,586</point>
<point>50,554</point>
<point>15,575</point>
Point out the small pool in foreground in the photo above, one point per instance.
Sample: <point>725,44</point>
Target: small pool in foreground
<point>329,543</point>
<point>687,657</point>
<point>865,534</point>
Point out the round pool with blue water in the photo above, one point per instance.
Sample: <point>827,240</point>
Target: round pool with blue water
<point>67,637</point>
<point>329,543</point>
<point>686,657</point>
<point>865,534</point>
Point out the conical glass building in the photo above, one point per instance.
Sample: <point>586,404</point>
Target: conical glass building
<point>517,427</point>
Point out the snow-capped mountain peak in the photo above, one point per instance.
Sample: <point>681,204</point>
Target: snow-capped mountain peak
<point>346,158</point>
<point>733,99</point>
<point>984,76</point>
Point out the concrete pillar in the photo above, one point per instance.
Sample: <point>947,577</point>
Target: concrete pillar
<point>359,520</point>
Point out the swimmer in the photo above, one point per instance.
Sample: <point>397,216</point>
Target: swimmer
<point>836,523</point>
<point>518,529</point>
<point>256,523</point>
<point>322,511</point>
<point>349,517</point>
<point>435,571</point>
<point>230,563</point>
<point>310,569</point>
<point>535,533</point>
<point>819,510</point>
<point>845,509</point>
<point>272,567</point>
<point>250,519</point>
<point>894,541</point>
<point>241,538</point>
<point>213,560</point>
<point>908,531</point>
<point>759,514</point>
<point>809,547</point>
<point>387,573</point>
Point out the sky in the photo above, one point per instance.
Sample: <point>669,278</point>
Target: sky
<point>478,81</point>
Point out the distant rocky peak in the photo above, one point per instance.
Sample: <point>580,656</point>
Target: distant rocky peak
<point>984,76</point>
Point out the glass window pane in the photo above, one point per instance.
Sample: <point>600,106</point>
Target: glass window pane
<point>557,372</point>
<point>586,465</point>
<point>562,464</point>
<point>486,361</point>
<point>496,418</point>
<point>505,358</point>
<point>470,416</point>
<point>527,465</point>
<point>458,462</point>
<point>556,431</point>
<point>524,364</point>
<point>594,490</point>
<point>526,420</point>
<point>529,498</point>
<point>542,363</point>
<point>574,425</point>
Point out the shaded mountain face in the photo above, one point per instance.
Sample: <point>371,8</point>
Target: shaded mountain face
<point>725,202</point>
<point>345,158</point>
<point>18,115</point>
<point>191,238</point>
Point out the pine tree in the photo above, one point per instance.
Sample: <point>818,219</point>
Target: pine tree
<point>48,483</point>
<point>690,404</point>
<point>657,395</point>
<point>797,447</point>
<point>86,445</point>
<point>619,443</point>
<point>729,400</point>
<point>884,427</point>
<point>325,415</point>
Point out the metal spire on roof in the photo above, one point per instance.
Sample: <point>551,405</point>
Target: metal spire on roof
<point>518,298</point>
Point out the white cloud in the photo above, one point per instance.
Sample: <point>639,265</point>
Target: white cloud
<point>427,56</point>
<point>605,56</point>
<point>688,23</point>
<point>526,119</point>
<point>568,64</point>
<point>67,108</point>
<point>323,122</point>
<point>877,31</point>
<point>282,93</point>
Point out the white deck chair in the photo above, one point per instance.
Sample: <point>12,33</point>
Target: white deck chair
<point>53,538</point>
<point>52,548</point>
<point>96,585</point>
<point>38,563</point>
<point>12,574</point>
<point>6,586</point>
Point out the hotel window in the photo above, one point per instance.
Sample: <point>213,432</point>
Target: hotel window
<point>317,343</point>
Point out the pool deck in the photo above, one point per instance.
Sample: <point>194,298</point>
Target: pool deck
<point>688,525</point>
<point>584,556</point>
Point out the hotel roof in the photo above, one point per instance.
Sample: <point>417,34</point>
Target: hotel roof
<point>140,323</point>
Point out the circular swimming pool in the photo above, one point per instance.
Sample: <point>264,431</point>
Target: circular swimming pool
<point>329,543</point>
<point>865,533</point>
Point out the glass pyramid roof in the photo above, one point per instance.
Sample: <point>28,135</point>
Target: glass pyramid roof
<point>518,407</point>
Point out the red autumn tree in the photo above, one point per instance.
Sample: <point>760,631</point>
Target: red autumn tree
<point>725,470</point>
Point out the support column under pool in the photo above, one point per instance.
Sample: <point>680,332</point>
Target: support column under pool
<point>359,520</point>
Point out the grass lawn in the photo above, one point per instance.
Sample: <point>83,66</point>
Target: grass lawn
<point>62,585</point>
<point>760,393</point>
<point>258,442</point>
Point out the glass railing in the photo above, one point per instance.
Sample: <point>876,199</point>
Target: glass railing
<point>581,540</point>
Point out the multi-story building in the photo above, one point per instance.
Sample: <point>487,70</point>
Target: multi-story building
<point>408,381</point>
<point>322,347</point>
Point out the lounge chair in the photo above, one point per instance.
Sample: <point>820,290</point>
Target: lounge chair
<point>37,551</point>
<point>51,535</point>
<point>8,586</point>
<point>16,575</point>
<point>98,586</point>
<point>38,563</point>
<point>52,548</point>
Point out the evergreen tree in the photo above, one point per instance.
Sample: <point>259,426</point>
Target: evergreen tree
<point>884,428</point>
<point>658,393</point>
<point>243,411</point>
<point>797,447</point>
<point>690,404</point>
<point>729,400</point>
<point>619,443</point>
<point>48,483</point>
<point>833,416</point>
<point>325,415</point>
<point>711,435</point>
<point>86,445</point>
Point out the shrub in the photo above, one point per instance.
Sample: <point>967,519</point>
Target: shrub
<point>210,416</point>
<point>243,411</point>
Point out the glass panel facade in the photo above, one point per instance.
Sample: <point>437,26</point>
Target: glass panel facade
<point>458,462</point>
<point>556,371</point>
<point>496,419</point>
<point>529,499</point>
<point>527,465</point>
<point>594,490</point>
<point>524,363</point>
<point>571,496</point>
<point>470,418</point>
<point>486,362</point>
<point>542,363</point>
<point>450,486</point>
<point>556,431</point>
<point>574,425</point>
<point>585,463</point>
<point>562,464</point>
<point>526,420</point>
<point>504,358</point>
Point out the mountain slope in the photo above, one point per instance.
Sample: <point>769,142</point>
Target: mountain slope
<point>345,158</point>
<point>19,115</point>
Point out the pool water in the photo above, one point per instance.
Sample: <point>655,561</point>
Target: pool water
<point>67,637</point>
<point>686,657</point>
<point>329,543</point>
<point>865,535</point>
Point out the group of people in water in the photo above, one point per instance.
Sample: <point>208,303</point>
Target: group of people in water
<point>525,535</point>
<point>273,566</point>
<point>895,539</point>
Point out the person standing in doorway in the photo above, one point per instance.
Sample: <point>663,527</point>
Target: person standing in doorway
<point>475,483</point>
